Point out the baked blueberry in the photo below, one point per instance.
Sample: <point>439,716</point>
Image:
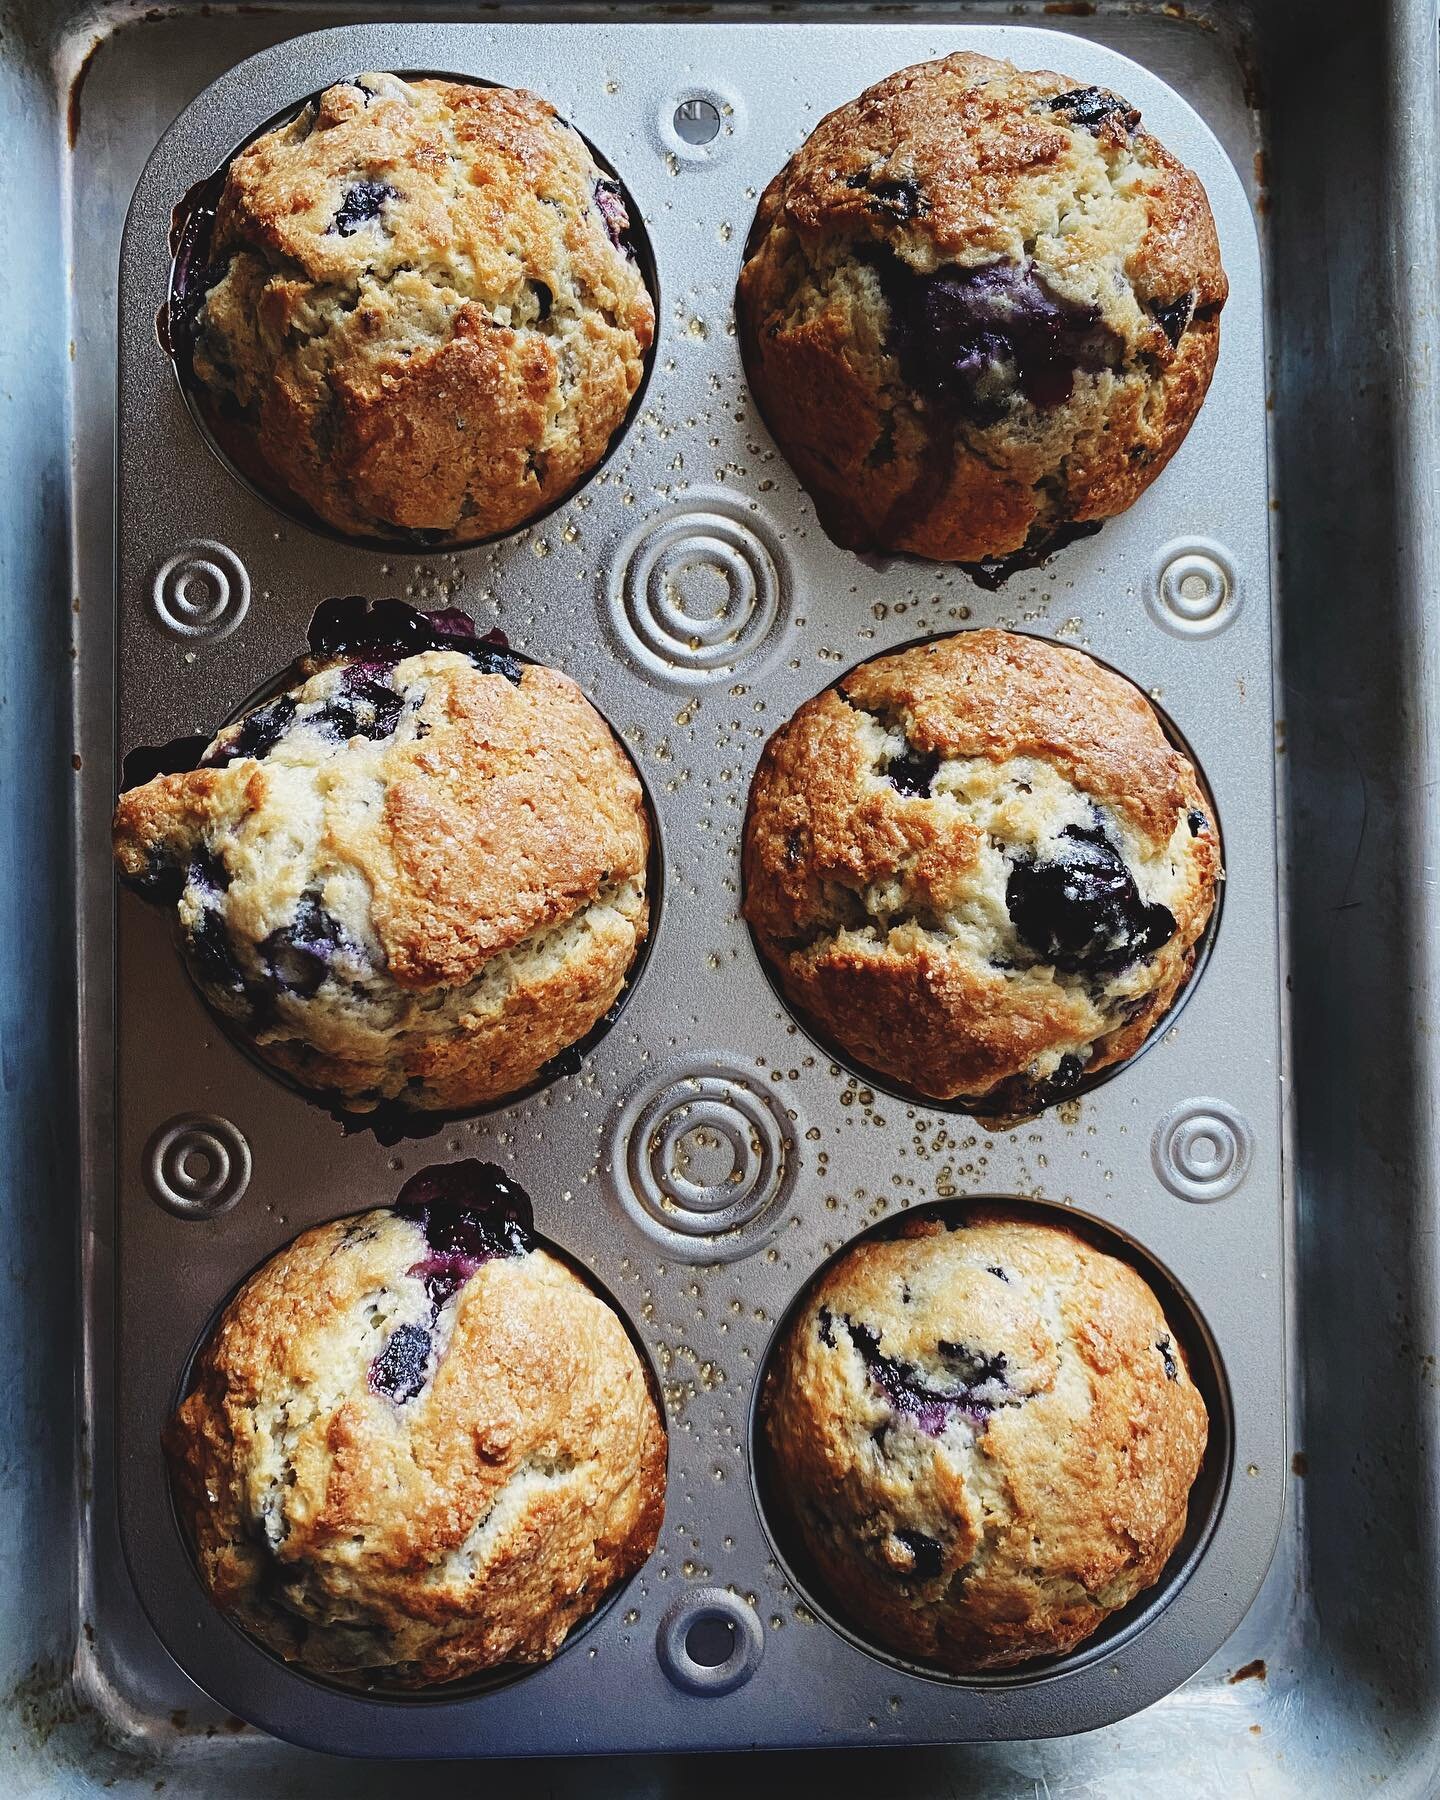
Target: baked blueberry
<point>979,308</point>
<point>1080,909</point>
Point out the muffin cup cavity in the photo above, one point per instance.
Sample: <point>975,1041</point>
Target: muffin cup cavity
<point>1208,1495</point>
<point>231,430</point>
<point>1118,906</point>
<point>368,638</point>
<point>462,1235</point>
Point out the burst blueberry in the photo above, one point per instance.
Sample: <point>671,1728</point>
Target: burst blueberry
<point>299,955</point>
<point>927,1558</point>
<point>1081,910</point>
<point>1172,316</point>
<point>979,337</point>
<point>913,771</point>
<point>470,1213</point>
<point>361,205</point>
<point>1093,107</point>
<point>930,1408</point>
<point>380,633</point>
<point>256,735</point>
<point>363,707</point>
<point>611,206</point>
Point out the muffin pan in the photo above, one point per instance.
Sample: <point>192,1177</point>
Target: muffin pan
<point>708,1157</point>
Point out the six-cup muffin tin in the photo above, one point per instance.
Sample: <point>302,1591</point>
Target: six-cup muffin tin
<point>708,1156</point>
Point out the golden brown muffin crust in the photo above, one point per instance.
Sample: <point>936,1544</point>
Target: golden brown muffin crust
<point>474,1523</point>
<point>885,913</point>
<point>961,164</point>
<point>497,836</point>
<point>1009,1520</point>
<point>420,308</point>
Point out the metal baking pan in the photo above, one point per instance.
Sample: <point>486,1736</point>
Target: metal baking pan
<point>93,1697</point>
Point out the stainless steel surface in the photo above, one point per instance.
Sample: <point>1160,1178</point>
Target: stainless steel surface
<point>1344,98</point>
<point>707,1157</point>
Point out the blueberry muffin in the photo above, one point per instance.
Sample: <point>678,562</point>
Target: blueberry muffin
<point>416,309</point>
<point>980,868</point>
<point>416,1446</point>
<point>417,876</point>
<point>979,310</point>
<point>984,1438</point>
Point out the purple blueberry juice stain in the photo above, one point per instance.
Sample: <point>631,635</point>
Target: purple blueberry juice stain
<point>610,204</point>
<point>193,274</point>
<point>398,1372</point>
<point>992,572</point>
<point>980,1380</point>
<point>1081,911</point>
<point>980,338</point>
<point>471,1213</point>
<point>361,205</point>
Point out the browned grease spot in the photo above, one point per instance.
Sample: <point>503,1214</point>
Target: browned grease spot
<point>1071,9</point>
<point>1253,1671</point>
<point>1299,1463</point>
<point>72,108</point>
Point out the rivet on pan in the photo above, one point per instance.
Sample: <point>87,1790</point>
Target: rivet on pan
<point>197,1165</point>
<point>697,120</point>
<point>202,590</point>
<point>1194,592</point>
<point>709,1642</point>
<point>699,125</point>
<point>701,1161</point>
<point>696,594</point>
<point>1202,1149</point>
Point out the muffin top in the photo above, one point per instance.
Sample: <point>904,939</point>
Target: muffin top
<point>980,866</point>
<point>986,1437</point>
<point>417,310</point>
<point>979,306</point>
<point>418,873</point>
<point>417,1446</point>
